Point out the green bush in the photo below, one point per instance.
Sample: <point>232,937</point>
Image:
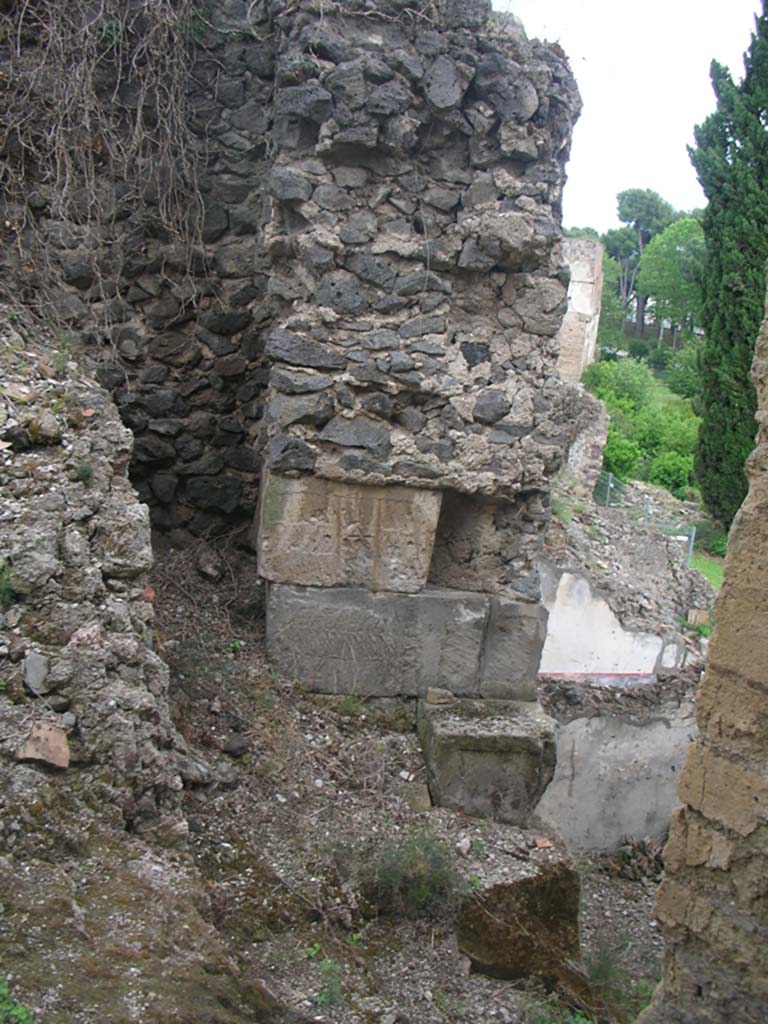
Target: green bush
<point>620,455</point>
<point>411,876</point>
<point>711,537</point>
<point>621,379</point>
<point>672,471</point>
<point>652,432</point>
<point>12,1012</point>
<point>683,373</point>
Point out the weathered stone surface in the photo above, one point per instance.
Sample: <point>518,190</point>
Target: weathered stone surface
<point>514,642</point>
<point>46,743</point>
<point>379,644</point>
<point>528,928</point>
<point>291,348</point>
<point>577,335</point>
<point>36,668</point>
<point>342,292</point>
<point>320,533</point>
<point>616,776</point>
<point>357,432</point>
<point>286,454</point>
<point>490,406</point>
<point>488,758</point>
<point>711,904</point>
<point>445,84</point>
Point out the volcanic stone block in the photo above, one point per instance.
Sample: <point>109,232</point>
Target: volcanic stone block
<point>316,532</point>
<point>384,645</point>
<point>488,758</point>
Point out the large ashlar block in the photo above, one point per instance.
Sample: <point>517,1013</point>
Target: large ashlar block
<point>322,533</point>
<point>386,644</point>
<point>488,758</point>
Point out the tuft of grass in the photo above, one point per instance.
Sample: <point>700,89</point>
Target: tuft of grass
<point>411,876</point>
<point>624,995</point>
<point>712,568</point>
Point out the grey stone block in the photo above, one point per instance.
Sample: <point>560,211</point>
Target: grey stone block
<point>514,641</point>
<point>375,644</point>
<point>487,758</point>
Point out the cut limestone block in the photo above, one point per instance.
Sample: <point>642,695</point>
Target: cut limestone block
<point>322,533</point>
<point>515,638</point>
<point>487,758</point>
<point>384,645</point>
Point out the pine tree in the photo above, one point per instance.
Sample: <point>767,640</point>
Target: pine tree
<point>731,161</point>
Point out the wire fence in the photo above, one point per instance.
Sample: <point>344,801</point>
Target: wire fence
<point>614,493</point>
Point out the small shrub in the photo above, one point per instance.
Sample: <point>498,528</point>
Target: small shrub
<point>624,995</point>
<point>560,511</point>
<point>620,456</point>
<point>84,472</point>
<point>413,876</point>
<point>712,538</point>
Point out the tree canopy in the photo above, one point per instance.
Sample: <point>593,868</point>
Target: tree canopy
<point>731,161</point>
<point>670,271</point>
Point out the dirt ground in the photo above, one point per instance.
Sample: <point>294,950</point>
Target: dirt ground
<point>299,795</point>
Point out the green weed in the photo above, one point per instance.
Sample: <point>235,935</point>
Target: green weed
<point>330,992</point>
<point>351,706</point>
<point>12,1012</point>
<point>84,472</point>
<point>8,595</point>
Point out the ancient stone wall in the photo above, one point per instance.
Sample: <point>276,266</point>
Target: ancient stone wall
<point>177,333</point>
<point>414,418</point>
<point>713,904</point>
<point>382,196</point>
<point>82,689</point>
<point>577,336</point>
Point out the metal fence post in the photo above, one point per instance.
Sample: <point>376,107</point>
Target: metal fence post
<point>691,541</point>
<point>608,490</point>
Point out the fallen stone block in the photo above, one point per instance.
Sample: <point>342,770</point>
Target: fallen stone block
<point>487,758</point>
<point>526,927</point>
<point>315,532</point>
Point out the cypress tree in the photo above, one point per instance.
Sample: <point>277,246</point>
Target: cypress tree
<point>731,161</point>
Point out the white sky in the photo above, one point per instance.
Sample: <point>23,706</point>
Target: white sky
<point>643,73</point>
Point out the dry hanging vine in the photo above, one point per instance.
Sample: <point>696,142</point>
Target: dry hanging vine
<point>96,122</point>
